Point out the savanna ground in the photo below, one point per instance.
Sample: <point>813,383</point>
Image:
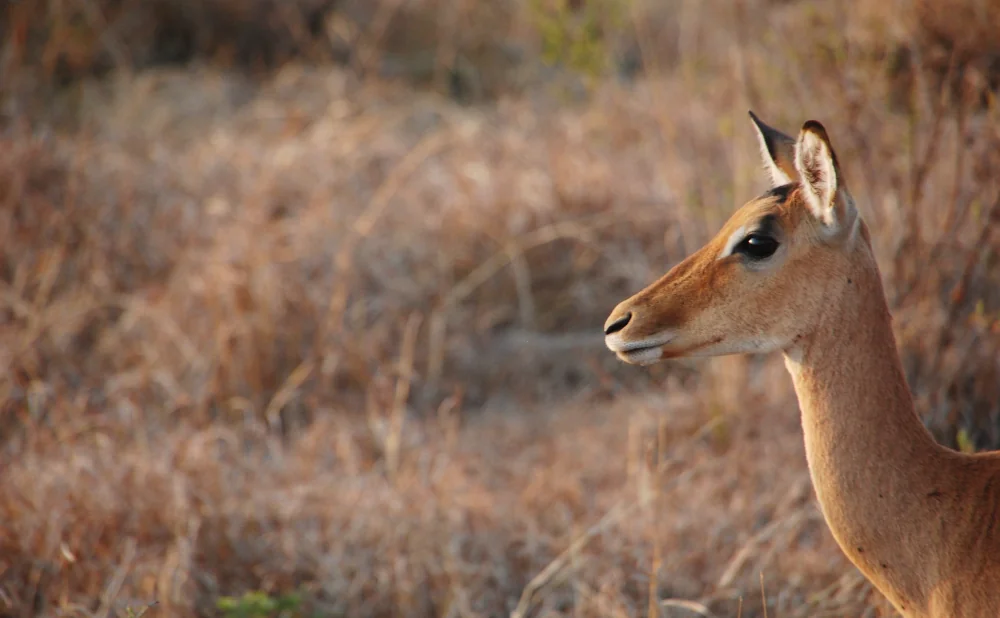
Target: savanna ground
<point>305,299</point>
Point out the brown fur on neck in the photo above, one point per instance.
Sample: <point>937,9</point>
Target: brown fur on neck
<point>892,497</point>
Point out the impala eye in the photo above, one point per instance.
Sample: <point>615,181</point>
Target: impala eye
<point>757,247</point>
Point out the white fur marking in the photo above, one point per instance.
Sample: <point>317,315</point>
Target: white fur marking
<point>647,356</point>
<point>778,176</point>
<point>734,239</point>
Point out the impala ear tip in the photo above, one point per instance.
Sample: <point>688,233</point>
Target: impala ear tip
<point>815,127</point>
<point>813,135</point>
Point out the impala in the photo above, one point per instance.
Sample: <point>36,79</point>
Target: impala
<point>793,271</point>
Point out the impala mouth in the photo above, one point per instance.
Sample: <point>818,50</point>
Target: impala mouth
<point>643,352</point>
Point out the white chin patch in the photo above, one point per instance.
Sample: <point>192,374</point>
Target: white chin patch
<point>645,356</point>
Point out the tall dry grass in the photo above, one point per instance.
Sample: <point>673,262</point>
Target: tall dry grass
<point>321,332</point>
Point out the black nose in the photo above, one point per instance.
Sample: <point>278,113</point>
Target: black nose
<point>618,324</point>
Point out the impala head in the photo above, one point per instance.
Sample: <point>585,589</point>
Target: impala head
<point>765,278</point>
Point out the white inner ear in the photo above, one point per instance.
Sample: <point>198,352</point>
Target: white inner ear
<point>818,176</point>
<point>778,176</point>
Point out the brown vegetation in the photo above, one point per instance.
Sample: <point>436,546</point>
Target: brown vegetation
<point>313,330</point>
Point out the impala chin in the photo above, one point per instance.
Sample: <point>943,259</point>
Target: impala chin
<point>642,356</point>
<point>642,352</point>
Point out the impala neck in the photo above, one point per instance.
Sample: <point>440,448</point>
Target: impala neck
<point>872,461</point>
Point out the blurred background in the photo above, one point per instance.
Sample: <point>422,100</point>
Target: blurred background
<point>301,300</point>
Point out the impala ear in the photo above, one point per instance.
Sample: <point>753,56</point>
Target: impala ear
<point>820,177</point>
<point>777,150</point>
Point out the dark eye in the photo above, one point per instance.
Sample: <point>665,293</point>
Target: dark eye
<point>757,247</point>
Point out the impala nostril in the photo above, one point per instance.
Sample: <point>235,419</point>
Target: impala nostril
<point>618,324</point>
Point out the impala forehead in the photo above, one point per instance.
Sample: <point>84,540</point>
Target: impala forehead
<point>785,202</point>
<point>761,216</point>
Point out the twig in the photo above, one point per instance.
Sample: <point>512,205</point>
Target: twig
<point>143,611</point>
<point>112,44</point>
<point>763,597</point>
<point>295,379</point>
<point>403,382</point>
<point>739,560</point>
<point>547,574</point>
<point>617,512</point>
<point>118,579</point>
<point>692,606</point>
<point>960,290</point>
<point>368,53</point>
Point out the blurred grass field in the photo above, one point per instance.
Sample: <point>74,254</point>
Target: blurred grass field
<point>305,299</point>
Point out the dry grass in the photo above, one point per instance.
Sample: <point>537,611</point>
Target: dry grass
<point>309,332</point>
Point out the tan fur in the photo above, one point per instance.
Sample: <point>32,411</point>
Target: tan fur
<point>920,521</point>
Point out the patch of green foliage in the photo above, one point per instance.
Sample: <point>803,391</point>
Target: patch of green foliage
<point>576,33</point>
<point>258,604</point>
<point>131,612</point>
